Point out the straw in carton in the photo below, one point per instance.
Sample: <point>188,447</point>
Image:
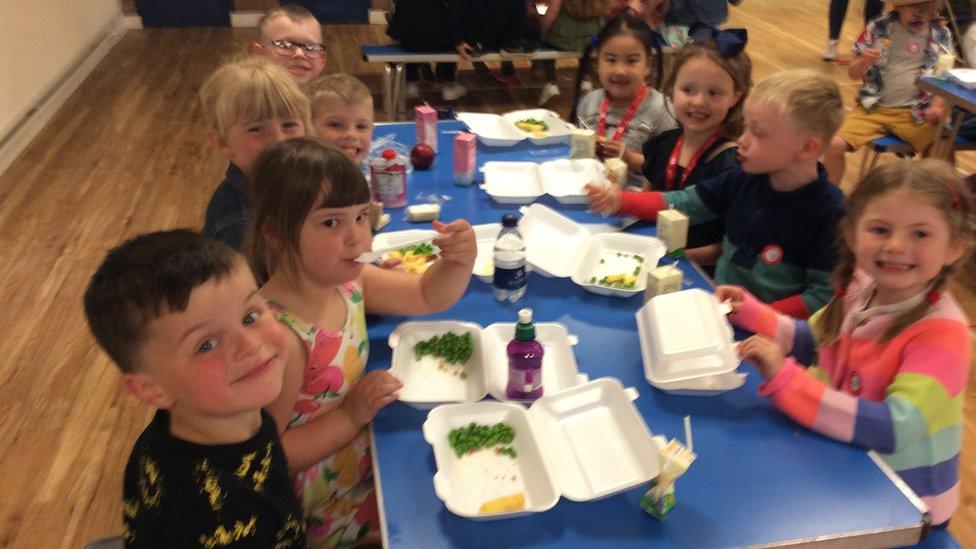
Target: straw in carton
<point>676,459</point>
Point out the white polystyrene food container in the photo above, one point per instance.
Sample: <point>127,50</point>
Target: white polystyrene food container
<point>555,245</point>
<point>524,182</point>
<point>485,235</point>
<point>425,385</point>
<point>496,130</point>
<point>491,129</point>
<point>703,386</point>
<point>585,443</point>
<point>559,130</point>
<point>617,251</point>
<point>685,335</point>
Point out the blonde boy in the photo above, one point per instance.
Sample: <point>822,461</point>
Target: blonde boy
<point>291,37</point>
<point>247,106</point>
<point>780,210</point>
<point>342,114</point>
<point>180,315</point>
<point>891,53</point>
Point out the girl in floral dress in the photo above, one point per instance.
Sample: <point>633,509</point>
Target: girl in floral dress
<point>310,224</point>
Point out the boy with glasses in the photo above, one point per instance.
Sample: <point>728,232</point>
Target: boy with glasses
<point>292,37</point>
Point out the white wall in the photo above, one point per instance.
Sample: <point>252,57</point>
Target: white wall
<point>40,41</point>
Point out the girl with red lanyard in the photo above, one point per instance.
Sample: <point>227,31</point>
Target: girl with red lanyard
<point>626,112</point>
<point>706,86</point>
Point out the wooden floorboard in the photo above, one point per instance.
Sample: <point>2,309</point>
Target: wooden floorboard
<point>126,154</point>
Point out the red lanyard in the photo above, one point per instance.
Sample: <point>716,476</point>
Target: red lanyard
<point>622,127</point>
<point>672,167</point>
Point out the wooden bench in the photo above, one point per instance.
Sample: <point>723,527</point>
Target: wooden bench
<point>395,57</point>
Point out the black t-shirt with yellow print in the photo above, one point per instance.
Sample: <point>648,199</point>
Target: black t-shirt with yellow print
<point>181,494</point>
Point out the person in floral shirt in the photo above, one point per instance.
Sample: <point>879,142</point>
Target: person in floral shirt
<point>311,222</point>
<point>892,52</point>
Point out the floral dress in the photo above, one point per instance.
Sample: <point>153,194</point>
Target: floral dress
<point>337,494</point>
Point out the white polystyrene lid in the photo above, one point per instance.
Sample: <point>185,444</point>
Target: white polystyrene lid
<point>684,335</point>
<point>512,182</point>
<point>465,483</point>
<point>425,382</point>
<point>492,129</point>
<point>566,178</point>
<point>594,441</point>
<point>552,240</point>
<point>559,369</point>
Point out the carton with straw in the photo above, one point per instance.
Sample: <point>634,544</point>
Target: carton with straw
<point>676,458</point>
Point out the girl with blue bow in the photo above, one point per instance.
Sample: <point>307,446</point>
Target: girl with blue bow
<point>706,86</point>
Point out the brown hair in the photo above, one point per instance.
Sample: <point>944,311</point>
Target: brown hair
<point>248,90</point>
<point>934,181</point>
<point>292,11</point>
<point>811,99</point>
<point>291,179</point>
<point>145,278</point>
<point>738,67</point>
<point>338,87</point>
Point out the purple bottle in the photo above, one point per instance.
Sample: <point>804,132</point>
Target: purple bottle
<point>524,360</point>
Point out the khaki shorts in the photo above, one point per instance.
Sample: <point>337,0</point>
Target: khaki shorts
<point>861,127</point>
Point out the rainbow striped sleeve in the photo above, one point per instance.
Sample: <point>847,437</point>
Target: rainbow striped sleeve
<point>917,427</point>
<point>793,336</point>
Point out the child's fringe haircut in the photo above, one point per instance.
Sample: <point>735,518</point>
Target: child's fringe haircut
<point>811,99</point>
<point>249,90</point>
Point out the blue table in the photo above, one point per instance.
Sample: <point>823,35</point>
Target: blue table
<point>759,478</point>
<point>955,96</point>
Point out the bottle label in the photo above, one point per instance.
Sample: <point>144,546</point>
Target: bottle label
<point>509,279</point>
<point>525,381</point>
<point>390,185</point>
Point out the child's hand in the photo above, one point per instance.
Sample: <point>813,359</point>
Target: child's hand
<point>870,56</point>
<point>731,294</point>
<point>375,390</point>
<point>608,148</point>
<point>764,353</point>
<point>456,241</point>
<point>604,200</point>
<point>934,112</point>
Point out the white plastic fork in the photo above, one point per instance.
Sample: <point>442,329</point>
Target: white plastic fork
<point>376,255</point>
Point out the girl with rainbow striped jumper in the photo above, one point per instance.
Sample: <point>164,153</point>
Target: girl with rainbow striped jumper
<point>889,355</point>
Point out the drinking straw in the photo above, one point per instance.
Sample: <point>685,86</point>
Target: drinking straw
<point>688,441</point>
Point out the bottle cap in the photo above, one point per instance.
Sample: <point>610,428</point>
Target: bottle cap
<point>525,329</point>
<point>388,154</point>
<point>508,221</point>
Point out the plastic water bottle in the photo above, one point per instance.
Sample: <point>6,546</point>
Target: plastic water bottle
<point>509,279</point>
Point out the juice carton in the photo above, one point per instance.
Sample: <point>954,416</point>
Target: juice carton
<point>425,117</point>
<point>582,144</point>
<point>662,280</point>
<point>672,228</point>
<point>465,158</point>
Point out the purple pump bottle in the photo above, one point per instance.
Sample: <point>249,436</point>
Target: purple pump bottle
<point>524,360</point>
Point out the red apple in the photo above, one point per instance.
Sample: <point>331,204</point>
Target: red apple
<point>422,156</point>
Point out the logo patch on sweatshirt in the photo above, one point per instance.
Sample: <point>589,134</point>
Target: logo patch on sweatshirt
<point>771,254</point>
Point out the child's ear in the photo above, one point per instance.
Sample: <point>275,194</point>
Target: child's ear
<point>220,144</point>
<point>812,147</point>
<point>146,390</point>
<point>957,248</point>
<point>256,49</point>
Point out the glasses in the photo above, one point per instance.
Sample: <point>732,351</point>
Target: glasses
<point>286,48</point>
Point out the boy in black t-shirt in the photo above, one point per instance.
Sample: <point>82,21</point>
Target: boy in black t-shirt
<point>181,316</point>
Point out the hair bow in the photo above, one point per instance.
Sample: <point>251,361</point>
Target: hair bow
<point>730,42</point>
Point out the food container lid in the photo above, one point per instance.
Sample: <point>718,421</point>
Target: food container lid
<point>685,335</point>
<point>552,241</point>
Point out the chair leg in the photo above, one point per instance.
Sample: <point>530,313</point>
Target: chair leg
<point>869,160</point>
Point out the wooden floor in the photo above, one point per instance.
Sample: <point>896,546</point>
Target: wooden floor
<point>127,155</point>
